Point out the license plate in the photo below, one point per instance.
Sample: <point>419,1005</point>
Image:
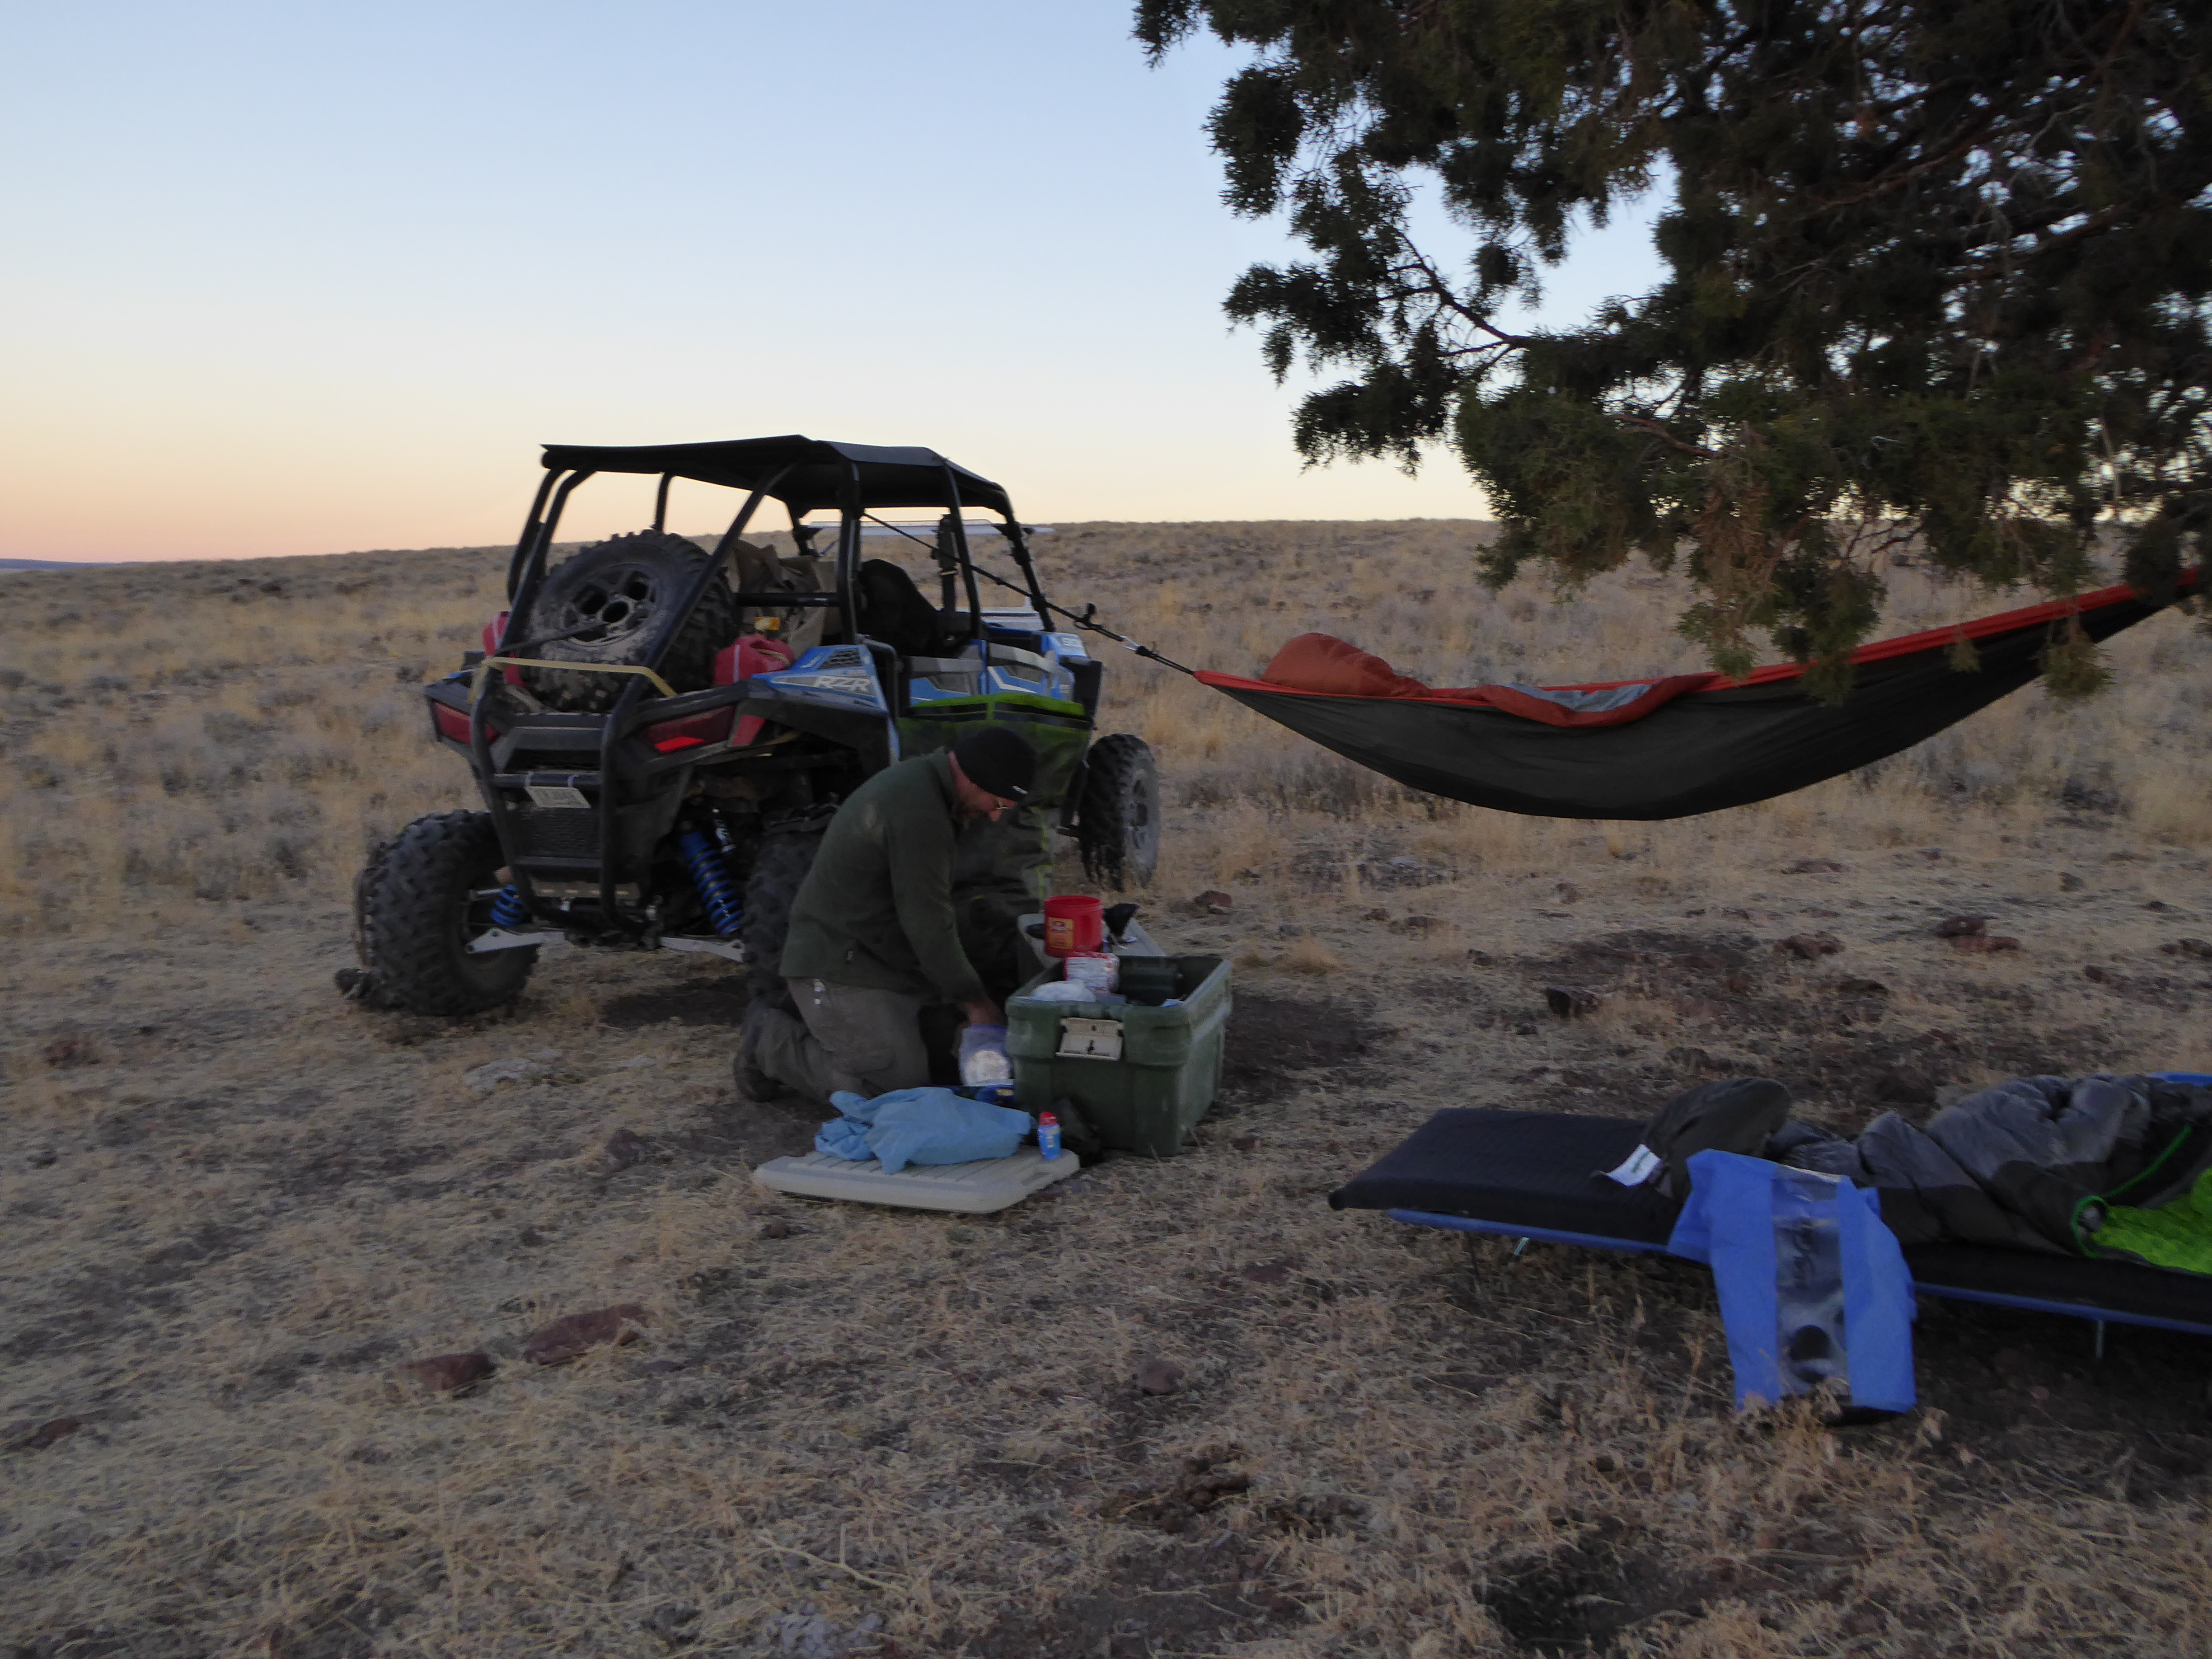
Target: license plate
<point>556,795</point>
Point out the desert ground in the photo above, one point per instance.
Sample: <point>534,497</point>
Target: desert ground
<point>236,1205</point>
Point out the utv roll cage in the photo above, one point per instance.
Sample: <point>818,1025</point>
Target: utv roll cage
<point>804,476</point>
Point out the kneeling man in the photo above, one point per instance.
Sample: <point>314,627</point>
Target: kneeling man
<point>873,936</point>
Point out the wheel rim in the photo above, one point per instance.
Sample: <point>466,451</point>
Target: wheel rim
<point>472,920</point>
<point>1141,824</point>
<point>614,604</point>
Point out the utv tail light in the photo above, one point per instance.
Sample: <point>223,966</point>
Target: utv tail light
<point>692,731</point>
<point>454,723</point>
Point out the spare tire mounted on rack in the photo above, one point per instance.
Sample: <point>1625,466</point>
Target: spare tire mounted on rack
<point>614,601</point>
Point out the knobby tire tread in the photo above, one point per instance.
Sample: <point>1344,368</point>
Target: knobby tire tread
<point>1116,769</point>
<point>785,857</point>
<point>689,663</point>
<point>413,944</point>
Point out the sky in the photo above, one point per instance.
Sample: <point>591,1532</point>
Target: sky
<point>292,278</point>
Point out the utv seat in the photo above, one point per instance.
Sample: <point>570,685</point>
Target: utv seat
<point>893,610</point>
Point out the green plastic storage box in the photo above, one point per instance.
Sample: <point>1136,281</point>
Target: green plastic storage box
<point>1143,1076</point>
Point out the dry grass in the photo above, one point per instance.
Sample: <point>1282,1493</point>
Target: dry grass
<point>233,1207</point>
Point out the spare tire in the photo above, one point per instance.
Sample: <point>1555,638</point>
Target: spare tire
<point>616,600</point>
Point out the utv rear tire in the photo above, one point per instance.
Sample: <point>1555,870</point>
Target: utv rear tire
<point>423,898</point>
<point>629,586</point>
<point>786,854</point>
<point>1117,823</point>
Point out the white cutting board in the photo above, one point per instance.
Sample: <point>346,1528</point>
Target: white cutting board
<point>978,1189</point>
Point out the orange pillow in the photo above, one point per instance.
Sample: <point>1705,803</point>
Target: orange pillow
<point>1321,662</point>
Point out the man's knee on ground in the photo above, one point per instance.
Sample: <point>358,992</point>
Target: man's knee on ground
<point>862,1038</point>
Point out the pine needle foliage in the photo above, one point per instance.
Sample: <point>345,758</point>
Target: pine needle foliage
<point>1935,272</point>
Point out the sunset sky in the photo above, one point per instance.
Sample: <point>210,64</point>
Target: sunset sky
<point>303,279</point>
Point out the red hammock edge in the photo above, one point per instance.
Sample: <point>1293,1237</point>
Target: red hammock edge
<point>1511,699</point>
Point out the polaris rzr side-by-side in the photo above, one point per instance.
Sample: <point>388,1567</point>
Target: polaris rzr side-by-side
<point>661,733</point>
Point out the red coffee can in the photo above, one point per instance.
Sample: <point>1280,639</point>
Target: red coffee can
<point>1073,926</point>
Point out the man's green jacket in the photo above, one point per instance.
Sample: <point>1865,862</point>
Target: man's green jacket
<point>876,909</point>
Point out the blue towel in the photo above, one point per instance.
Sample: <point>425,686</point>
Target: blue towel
<point>920,1126</point>
<point>1835,1302</point>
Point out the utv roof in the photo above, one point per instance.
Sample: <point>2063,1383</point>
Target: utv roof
<point>803,473</point>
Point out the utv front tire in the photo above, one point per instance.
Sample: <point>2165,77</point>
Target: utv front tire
<point>424,896</point>
<point>624,593</point>
<point>1117,823</point>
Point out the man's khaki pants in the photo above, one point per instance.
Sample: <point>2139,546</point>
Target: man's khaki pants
<point>854,1038</point>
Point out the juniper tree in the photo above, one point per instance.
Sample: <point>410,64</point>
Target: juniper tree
<point>1935,268</point>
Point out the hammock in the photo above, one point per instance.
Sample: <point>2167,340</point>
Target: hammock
<point>1663,747</point>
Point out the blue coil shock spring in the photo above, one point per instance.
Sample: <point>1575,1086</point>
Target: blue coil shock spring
<point>712,877</point>
<point>508,911</point>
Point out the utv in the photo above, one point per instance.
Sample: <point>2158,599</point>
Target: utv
<point>660,734</point>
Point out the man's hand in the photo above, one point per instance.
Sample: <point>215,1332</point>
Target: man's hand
<point>983,1011</point>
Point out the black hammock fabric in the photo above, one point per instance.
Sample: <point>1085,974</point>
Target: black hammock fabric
<point>1672,748</point>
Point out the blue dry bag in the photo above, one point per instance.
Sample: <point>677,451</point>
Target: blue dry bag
<point>1813,1289</point>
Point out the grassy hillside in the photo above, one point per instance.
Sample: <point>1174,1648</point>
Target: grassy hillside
<point>236,1206</point>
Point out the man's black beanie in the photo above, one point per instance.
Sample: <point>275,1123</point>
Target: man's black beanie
<point>999,761</point>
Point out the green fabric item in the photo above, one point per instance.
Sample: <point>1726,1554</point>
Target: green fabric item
<point>876,909</point>
<point>2178,1234</point>
<point>1057,731</point>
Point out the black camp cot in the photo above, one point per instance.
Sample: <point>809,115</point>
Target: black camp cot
<point>1529,1175</point>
